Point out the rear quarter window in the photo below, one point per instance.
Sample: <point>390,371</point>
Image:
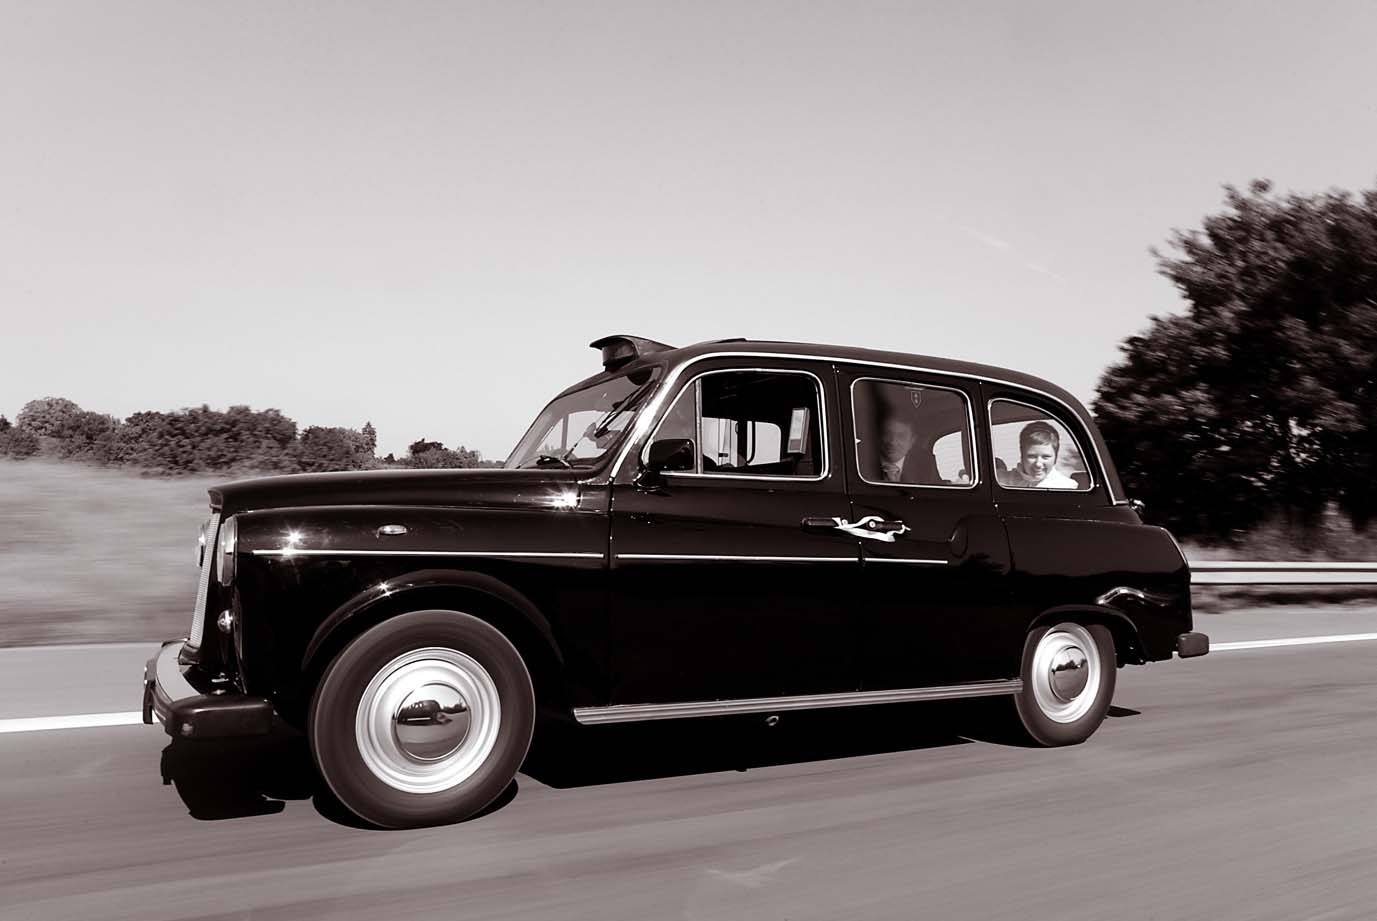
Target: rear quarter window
<point>1032,449</point>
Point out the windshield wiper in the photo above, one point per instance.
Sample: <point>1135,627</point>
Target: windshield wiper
<point>600,428</point>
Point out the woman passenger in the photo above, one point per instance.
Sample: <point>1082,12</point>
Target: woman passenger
<point>1038,448</point>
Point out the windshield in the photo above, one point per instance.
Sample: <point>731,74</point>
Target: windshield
<point>577,429</point>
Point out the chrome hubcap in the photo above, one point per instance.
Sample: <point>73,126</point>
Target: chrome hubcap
<point>432,722</point>
<point>428,720</point>
<point>1066,673</point>
<point>1069,672</point>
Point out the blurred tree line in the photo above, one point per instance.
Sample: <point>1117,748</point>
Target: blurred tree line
<point>1260,402</point>
<point>203,440</point>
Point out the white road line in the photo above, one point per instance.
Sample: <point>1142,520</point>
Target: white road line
<point>134,717</point>
<point>75,721</point>
<point>1295,641</point>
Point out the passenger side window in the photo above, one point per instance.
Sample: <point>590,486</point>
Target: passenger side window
<point>751,423</point>
<point>912,435</point>
<point>1033,450</point>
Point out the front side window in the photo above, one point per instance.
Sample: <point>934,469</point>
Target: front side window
<point>750,423</point>
<point>579,428</point>
<point>1034,450</point>
<point>912,435</point>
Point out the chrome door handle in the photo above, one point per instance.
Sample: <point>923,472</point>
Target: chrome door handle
<point>871,527</point>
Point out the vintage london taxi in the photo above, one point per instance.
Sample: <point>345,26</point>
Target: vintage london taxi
<point>729,527</point>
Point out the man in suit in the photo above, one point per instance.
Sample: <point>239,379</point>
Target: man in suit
<point>896,440</point>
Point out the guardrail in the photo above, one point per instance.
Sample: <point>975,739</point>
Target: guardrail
<point>1233,572</point>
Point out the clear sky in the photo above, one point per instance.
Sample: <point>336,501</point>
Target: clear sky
<point>419,214</point>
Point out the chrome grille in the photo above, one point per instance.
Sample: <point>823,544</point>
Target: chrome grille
<point>198,614</point>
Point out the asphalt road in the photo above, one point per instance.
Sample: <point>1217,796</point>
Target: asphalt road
<point>1241,785</point>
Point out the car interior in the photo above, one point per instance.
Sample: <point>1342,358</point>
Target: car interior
<point>1007,419</point>
<point>938,420</point>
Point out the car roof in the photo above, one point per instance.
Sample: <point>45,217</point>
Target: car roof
<point>672,356</point>
<point>845,353</point>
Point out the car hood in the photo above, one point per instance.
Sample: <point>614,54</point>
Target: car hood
<point>484,487</point>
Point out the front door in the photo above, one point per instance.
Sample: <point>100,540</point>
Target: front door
<point>722,588</point>
<point>935,556</point>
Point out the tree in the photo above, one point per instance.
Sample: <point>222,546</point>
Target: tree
<point>18,443</point>
<point>46,417</point>
<point>421,446</point>
<point>203,439</point>
<point>64,429</point>
<point>4,425</point>
<point>433,454</point>
<point>1263,396</point>
<point>322,448</point>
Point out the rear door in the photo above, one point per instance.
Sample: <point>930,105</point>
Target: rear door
<point>720,589</point>
<point>935,556</point>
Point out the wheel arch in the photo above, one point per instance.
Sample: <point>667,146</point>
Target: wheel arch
<point>1128,644</point>
<point>485,597</point>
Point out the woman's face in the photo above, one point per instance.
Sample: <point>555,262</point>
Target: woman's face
<point>1038,461</point>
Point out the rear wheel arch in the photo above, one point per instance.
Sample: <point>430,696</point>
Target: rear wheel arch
<point>1128,645</point>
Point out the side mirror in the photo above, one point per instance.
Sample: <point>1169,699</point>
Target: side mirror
<point>1138,506</point>
<point>671,454</point>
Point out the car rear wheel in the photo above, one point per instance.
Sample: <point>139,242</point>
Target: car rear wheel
<point>423,719</point>
<point>1068,682</point>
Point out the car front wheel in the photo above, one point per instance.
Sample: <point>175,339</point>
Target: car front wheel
<point>423,719</point>
<point>1068,682</point>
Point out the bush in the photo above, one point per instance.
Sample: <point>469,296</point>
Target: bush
<point>444,457</point>
<point>18,443</point>
<point>322,448</point>
<point>46,417</point>
<point>202,439</point>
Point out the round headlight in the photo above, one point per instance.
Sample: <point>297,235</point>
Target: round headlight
<point>224,551</point>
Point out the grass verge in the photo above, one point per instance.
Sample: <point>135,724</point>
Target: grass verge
<point>89,554</point>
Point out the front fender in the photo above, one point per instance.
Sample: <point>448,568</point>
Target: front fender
<point>393,597</point>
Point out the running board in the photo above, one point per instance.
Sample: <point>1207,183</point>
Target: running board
<point>630,713</point>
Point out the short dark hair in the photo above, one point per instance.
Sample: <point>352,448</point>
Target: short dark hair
<point>1039,433</point>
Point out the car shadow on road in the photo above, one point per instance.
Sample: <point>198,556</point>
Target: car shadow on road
<point>568,755</point>
<point>236,778</point>
<point>239,778</point>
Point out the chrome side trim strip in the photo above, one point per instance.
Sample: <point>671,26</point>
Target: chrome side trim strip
<point>712,557</point>
<point>652,408</point>
<point>344,551</point>
<point>1137,594</point>
<point>629,713</point>
<point>895,559</point>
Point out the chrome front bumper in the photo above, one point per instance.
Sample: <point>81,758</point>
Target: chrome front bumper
<point>191,706</point>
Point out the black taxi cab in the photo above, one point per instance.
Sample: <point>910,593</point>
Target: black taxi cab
<point>724,528</point>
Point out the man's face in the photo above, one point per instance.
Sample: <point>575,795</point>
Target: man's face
<point>896,438</point>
